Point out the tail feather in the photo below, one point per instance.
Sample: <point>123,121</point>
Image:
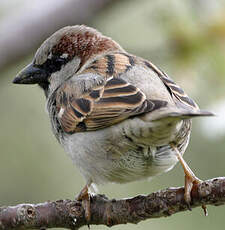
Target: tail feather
<point>190,114</point>
<point>179,114</point>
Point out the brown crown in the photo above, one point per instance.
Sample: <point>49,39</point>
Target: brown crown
<point>84,43</point>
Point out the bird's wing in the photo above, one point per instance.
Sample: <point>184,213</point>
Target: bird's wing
<point>178,94</point>
<point>97,97</point>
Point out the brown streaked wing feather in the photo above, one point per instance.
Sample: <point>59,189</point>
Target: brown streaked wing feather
<point>111,65</point>
<point>103,106</point>
<point>174,89</point>
<point>69,120</point>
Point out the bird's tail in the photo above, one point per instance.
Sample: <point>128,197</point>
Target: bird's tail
<point>190,114</point>
<point>173,114</point>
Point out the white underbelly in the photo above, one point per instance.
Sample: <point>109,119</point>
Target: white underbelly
<point>114,155</point>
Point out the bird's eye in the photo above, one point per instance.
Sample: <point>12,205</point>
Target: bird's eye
<point>58,62</point>
<point>54,64</point>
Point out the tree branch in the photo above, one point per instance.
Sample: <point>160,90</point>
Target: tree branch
<point>70,214</point>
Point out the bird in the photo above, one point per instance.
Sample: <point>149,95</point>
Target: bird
<point>118,116</point>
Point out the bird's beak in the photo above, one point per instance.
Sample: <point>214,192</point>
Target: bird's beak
<point>30,75</point>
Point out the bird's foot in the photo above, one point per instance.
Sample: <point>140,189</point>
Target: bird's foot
<point>190,180</point>
<point>85,197</point>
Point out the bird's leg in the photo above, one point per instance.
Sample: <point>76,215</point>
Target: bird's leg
<point>84,196</point>
<point>190,179</point>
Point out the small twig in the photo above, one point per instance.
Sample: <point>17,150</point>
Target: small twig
<point>70,214</point>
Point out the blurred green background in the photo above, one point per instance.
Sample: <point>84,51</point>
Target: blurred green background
<point>187,40</point>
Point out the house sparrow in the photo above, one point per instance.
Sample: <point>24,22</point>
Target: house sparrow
<point>118,116</point>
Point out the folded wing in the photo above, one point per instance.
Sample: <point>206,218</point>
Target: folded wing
<point>102,103</point>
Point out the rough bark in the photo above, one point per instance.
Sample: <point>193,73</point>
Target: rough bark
<point>70,214</point>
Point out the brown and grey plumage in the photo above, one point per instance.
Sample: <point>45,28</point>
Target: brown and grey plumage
<point>118,116</point>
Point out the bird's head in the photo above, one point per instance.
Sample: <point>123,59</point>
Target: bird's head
<point>63,54</point>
